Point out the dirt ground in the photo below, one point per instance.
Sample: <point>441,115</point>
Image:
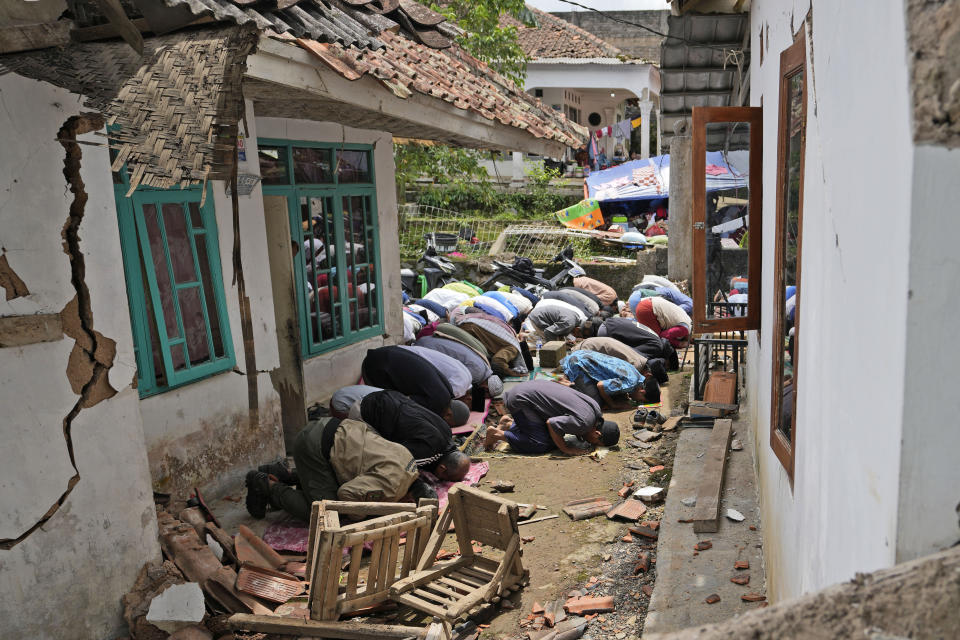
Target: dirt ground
<point>565,555</point>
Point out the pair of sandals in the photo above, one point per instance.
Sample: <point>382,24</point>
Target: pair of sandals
<point>651,417</point>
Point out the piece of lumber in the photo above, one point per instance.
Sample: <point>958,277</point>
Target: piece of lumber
<point>706,515</point>
<point>342,629</point>
<point>366,509</point>
<point>721,388</point>
<point>17,331</point>
<point>540,519</point>
<point>700,409</point>
<point>28,37</point>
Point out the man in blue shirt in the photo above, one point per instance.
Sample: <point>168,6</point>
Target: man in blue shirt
<point>608,380</point>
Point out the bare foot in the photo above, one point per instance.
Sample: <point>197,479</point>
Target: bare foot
<point>493,436</point>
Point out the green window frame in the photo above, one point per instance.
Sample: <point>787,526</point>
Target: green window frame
<point>166,289</point>
<point>335,184</point>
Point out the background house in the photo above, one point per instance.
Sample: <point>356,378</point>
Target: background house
<point>157,329</point>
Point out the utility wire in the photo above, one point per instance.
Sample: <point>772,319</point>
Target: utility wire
<point>645,27</point>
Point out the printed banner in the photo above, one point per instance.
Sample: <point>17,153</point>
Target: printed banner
<point>583,215</point>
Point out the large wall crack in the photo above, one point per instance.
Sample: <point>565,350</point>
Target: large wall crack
<point>93,354</point>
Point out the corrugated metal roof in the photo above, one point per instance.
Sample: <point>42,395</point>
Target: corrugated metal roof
<point>698,64</point>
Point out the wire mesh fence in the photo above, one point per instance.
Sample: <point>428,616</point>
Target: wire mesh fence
<point>472,236</point>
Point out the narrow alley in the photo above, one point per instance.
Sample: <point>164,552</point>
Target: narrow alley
<point>479,319</point>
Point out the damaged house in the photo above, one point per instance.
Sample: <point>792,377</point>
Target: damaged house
<point>199,228</point>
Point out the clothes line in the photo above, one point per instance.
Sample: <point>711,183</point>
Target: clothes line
<point>620,129</point>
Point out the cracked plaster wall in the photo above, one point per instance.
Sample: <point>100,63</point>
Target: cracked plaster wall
<point>109,512</point>
<point>839,515</point>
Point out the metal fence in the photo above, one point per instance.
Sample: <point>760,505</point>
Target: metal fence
<point>712,354</point>
<point>476,236</point>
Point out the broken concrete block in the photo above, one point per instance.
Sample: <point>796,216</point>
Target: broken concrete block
<point>503,486</point>
<point>176,607</point>
<point>552,353</point>
<point>193,632</point>
<point>649,494</point>
<point>735,515</point>
<point>645,435</point>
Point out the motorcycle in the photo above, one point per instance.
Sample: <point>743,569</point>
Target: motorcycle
<point>437,271</point>
<point>522,274</point>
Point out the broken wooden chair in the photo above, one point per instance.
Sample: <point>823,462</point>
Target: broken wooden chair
<point>398,541</point>
<point>449,590</point>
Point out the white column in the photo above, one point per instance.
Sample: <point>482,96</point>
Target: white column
<point>645,108</point>
<point>517,166</point>
<point>609,118</point>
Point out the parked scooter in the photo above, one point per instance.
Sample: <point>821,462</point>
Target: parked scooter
<point>437,271</point>
<point>522,274</point>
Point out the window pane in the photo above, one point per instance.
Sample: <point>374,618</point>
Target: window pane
<point>213,312</point>
<point>789,256</point>
<point>273,165</point>
<point>727,224</point>
<point>194,325</point>
<point>311,165</point>
<point>318,263</point>
<point>179,360</point>
<point>196,220</point>
<point>353,166</point>
<point>159,372</point>
<point>159,258</point>
<point>178,243</point>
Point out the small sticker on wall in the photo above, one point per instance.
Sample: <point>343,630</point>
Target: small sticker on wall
<point>241,147</point>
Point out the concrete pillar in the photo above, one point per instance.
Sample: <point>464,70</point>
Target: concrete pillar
<point>517,173</point>
<point>680,248</point>
<point>645,108</point>
<point>287,379</point>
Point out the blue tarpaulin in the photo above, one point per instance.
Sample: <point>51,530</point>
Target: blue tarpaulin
<point>649,179</point>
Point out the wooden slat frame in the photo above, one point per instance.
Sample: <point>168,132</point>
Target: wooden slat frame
<point>793,60</point>
<point>702,116</point>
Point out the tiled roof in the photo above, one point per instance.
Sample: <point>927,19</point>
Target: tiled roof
<point>557,38</point>
<point>348,22</point>
<point>451,75</point>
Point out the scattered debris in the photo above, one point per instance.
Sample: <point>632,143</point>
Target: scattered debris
<point>629,509</point>
<point>741,565</point>
<point>527,512</point>
<point>639,444</point>
<point>589,604</point>
<point>649,494</point>
<point>537,609</point>
<point>712,599</point>
<point>643,564</point>
<point>735,515</point>
<point>647,529</point>
<point>753,597</point>
<point>275,586</point>
<point>688,502</point>
<point>586,508</point>
<point>542,518</point>
<point>657,469</point>
<point>647,590</point>
<point>176,607</point>
<point>253,550</point>
<point>652,461</point>
<point>742,580</point>
<point>503,486</point>
<point>703,545</point>
<point>627,538</point>
<point>645,435</point>
<point>554,612</point>
<point>736,445</point>
<point>752,528</point>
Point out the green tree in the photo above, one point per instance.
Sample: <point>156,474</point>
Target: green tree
<point>484,38</point>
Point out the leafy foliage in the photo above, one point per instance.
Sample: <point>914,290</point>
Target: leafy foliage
<point>485,39</point>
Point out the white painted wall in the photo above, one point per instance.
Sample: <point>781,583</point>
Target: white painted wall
<point>325,373</point>
<point>66,578</point>
<point>840,515</point>
<point>929,466</point>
